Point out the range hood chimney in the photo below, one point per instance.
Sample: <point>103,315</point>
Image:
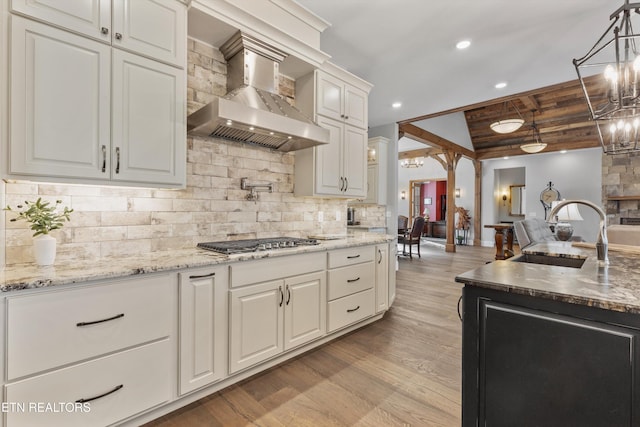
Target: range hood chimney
<point>252,111</point>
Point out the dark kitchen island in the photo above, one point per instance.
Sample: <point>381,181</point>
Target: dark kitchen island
<point>551,345</point>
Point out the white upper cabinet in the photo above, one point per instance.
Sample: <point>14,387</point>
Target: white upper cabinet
<point>337,104</point>
<point>60,103</point>
<point>377,171</point>
<point>148,133</point>
<point>339,100</point>
<point>82,110</point>
<point>153,28</point>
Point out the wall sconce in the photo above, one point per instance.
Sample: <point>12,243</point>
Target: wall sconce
<point>504,199</point>
<point>403,194</point>
<point>457,192</point>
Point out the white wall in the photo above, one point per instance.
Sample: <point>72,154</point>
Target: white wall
<point>576,174</point>
<point>449,126</point>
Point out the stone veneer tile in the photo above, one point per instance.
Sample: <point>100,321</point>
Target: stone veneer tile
<point>212,207</point>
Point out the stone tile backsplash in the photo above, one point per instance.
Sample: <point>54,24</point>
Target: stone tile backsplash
<point>127,221</point>
<point>620,178</point>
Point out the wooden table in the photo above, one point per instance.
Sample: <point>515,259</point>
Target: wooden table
<point>501,230</point>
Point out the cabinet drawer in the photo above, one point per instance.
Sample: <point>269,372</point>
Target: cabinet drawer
<point>349,280</point>
<point>350,309</point>
<point>251,272</point>
<point>350,256</point>
<point>60,327</point>
<point>141,378</point>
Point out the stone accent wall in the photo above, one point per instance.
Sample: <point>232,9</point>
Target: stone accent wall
<point>117,221</point>
<point>621,177</point>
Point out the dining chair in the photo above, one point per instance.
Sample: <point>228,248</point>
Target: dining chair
<point>412,237</point>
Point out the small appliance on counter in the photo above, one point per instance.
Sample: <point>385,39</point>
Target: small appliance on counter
<point>351,217</point>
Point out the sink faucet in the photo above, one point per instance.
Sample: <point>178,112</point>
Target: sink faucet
<point>602,243</point>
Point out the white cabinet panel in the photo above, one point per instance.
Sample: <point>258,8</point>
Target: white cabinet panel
<point>203,327</point>
<point>148,121</point>
<point>304,313</point>
<point>355,162</point>
<point>382,278</point>
<point>123,384</point>
<point>350,309</point>
<point>329,100</point>
<point>154,28</point>
<point>349,280</point>
<point>356,107</point>
<point>55,328</point>
<point>256,329</point>
<point>89,17</point>
<point>328,168</point>
<point>60,102</point>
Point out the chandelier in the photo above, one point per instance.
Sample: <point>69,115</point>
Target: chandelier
<point>614,98</point>
<point>507,125</point>
<point>411,163</point>
<point>536,145</point>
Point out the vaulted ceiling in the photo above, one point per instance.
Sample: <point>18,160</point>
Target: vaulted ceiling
<point>562,118</point>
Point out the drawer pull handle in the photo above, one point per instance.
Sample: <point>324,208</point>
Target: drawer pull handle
<point>89,399</point>
<point>117,316</point>
<point>288,295</point>
<point>117,159</point>
<point>353,256</point>
<point>281,296</point>
<point>202,276</point>
<point>353,280</point>
<point>351,310</point>
<point>104,158</point>
<point>380,255</point>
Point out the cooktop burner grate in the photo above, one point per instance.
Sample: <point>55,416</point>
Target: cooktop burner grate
<point>255,245</point>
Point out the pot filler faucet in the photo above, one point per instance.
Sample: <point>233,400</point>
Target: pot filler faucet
<point>602,243</point>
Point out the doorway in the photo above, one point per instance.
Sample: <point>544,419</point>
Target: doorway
<point>428,198</point>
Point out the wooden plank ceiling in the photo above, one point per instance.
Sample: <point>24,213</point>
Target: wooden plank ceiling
<point>562,118</point>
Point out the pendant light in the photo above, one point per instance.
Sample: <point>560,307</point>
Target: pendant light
<point>507,125</point>
<point>614,97</point>
<point>536,145</point>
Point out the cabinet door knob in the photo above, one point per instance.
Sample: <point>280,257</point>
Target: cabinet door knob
<point>118,36</point>
<point>104,30</point>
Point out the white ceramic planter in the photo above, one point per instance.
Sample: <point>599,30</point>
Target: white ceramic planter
<point>44,249</point>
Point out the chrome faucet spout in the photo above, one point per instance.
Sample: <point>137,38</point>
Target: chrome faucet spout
<point>602,243</point>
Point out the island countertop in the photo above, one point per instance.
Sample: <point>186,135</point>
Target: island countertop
<point>28,276</point>
<point>615,286</point>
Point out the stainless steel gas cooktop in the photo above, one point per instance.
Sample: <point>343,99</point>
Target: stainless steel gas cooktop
<point>255,245</point>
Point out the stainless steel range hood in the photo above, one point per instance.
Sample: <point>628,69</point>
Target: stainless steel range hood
<point>252,111</point>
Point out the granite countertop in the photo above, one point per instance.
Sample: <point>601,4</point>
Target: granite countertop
<point>29,276</point>
<point>615,286</point>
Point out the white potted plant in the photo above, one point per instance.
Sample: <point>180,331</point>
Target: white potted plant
<point>44,218</point>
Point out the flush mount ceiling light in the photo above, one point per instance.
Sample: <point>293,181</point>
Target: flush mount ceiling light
<point>412,163</point>
<point>614,101</point>
<point>507,125</point>
<point>536,145</point>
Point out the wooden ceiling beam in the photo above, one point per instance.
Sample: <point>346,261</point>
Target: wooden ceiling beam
<point>419,152</point>
<point>432,139</point>
<point>530,102</point>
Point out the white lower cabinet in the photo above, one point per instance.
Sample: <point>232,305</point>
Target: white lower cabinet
<point>269,318</point>
<point>91,355</point>
<point>96,393</point>
<point>382,277</point>
<point>352,295</point>
<point>203,327</point>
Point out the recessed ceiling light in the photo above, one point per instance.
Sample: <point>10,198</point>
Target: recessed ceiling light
<point>396,104</point>
<point>463,44</point>
<point>501,85</point>
<point>563,151</point>
<point>506,157</point>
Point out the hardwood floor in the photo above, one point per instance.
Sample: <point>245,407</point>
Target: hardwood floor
<point>403,370</point>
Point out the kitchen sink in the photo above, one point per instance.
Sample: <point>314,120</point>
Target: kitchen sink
<point>550,260</point>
